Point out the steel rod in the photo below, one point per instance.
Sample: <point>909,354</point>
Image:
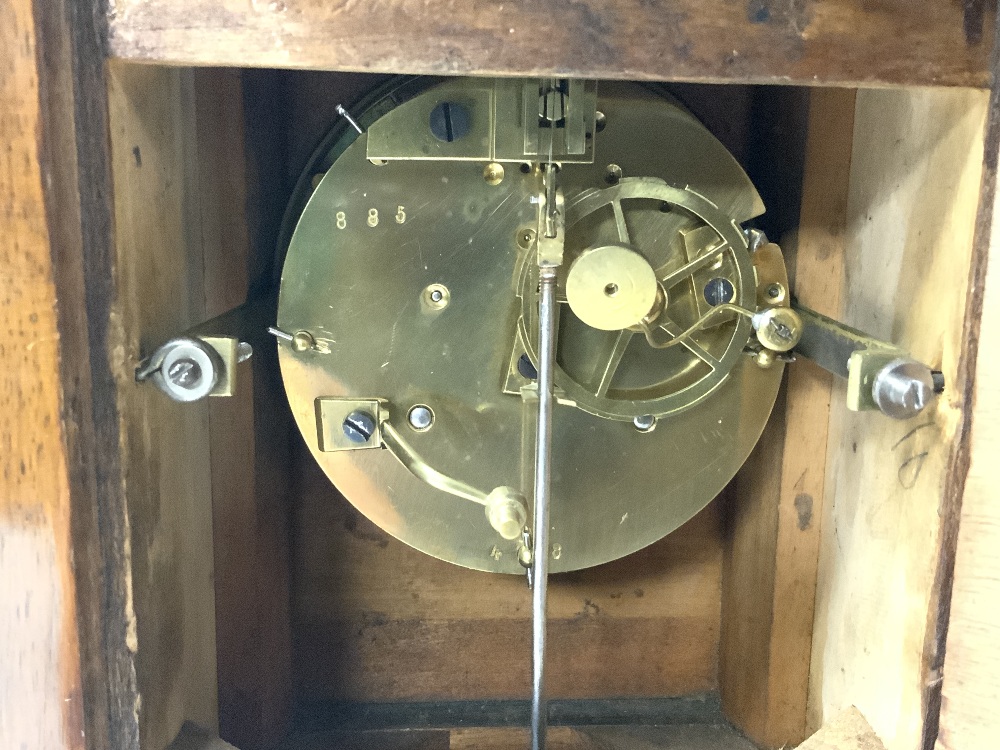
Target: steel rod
<point>547,311</point>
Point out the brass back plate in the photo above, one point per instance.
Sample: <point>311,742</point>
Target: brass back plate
<point>372,244</point>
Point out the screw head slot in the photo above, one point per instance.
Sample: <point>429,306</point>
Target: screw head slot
<point>185,373</point>
<point>188,369</point>
<point>359,426</point>
<point>719,291</point>
<point>450,121</point>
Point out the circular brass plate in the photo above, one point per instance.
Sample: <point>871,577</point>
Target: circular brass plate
<point>610,287</point>
<point>358,281</point>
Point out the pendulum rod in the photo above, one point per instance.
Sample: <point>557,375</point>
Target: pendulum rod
<point>543,456</point>
<point>551,236</point>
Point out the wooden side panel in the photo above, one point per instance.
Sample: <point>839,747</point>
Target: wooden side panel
<point>378,621</point>
<point>249,433</point>
<point>165,446</point>
<point>812,41</point>
<point>206,483</point>
<point>773,537</point>
<point>41,704</point>
<point>914,190</point>
<point>971,689</point>
<point>969,716</point>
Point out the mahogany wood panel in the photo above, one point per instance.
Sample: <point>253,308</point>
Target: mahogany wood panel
<point>73,157</point>
<point>206,482</point>
<point>856,42</point>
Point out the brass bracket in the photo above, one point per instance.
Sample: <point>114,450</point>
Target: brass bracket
<point>190,368</point>
<point>228,349</point>
<point>499,120</point>
<point>559,119</point>
<point>349,424</point>
<point>202,361</point>
<point>334,421</point>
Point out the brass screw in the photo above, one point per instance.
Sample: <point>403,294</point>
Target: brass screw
<point>493,173</point>
<point>524,555</point>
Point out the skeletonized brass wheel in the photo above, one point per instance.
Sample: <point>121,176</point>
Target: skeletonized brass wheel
<point>672,250</point>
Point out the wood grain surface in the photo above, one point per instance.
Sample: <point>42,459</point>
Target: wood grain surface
<point>688,737</point>
<point>914,192</point>
<point>375,620</point>
<point>969,718</point>
<point>831,41</point>
<point>250,432</point>
<point>41,701</point>
<point>165,446</point>
<point>769,575</point>
<point>848,730</point>
<point>971,662</point>
<point>71,134</point>
<point>207,500</point>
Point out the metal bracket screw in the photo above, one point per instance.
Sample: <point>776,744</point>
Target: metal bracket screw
<point>903,388</point>
<point>185,373</point>
<point>359,426</point>
<point>449,121</point>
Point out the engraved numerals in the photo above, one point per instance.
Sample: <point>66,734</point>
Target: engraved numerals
<point>372,217</point>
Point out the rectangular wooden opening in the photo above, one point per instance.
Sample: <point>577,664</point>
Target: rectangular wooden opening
<point>265,606</point>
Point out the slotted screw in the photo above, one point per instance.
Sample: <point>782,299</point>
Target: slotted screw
<point>185,373</point>
<point>359,426</point>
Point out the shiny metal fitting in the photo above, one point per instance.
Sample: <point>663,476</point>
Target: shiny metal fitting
<point>507,511</point>
<point>903,388</point>
<point>186,369</point>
